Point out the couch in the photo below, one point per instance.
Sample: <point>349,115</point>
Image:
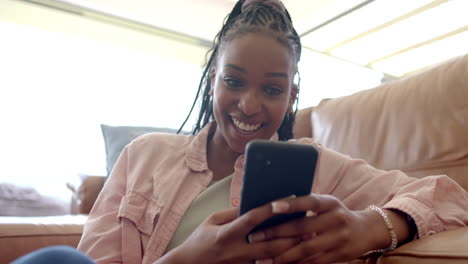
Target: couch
<point>417,124</point>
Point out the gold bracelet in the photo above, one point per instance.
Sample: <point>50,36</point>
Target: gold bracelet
<point>384,215</point>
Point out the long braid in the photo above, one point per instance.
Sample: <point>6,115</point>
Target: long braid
<point>206,109</point>
<point>256,18</point>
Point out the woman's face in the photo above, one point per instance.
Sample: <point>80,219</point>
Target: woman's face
<point>252,88</point>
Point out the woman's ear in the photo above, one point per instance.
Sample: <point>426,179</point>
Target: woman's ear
<point>293,97</point>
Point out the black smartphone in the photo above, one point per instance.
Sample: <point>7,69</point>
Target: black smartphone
<point>275,170</point>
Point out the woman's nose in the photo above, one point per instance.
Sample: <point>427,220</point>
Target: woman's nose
<point>250,103</point>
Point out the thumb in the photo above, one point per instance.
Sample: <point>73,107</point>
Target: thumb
<point>223,217</point>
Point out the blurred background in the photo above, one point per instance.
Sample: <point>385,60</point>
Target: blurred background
<point>68,66</point>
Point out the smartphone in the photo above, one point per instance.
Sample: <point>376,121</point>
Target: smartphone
<point>275,170</point>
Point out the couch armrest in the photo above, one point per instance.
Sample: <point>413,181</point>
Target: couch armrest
<point>447,247</point>
<point>22,235</point>
<point>85,190</point>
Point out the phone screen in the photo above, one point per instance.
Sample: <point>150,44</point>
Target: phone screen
<point>275,170</point>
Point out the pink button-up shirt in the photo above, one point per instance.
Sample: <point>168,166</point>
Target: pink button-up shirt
<point>157,177</point>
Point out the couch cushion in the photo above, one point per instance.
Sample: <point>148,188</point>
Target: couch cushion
<point>117,137</point>
<point>418,124</point>
<point>21,235</point>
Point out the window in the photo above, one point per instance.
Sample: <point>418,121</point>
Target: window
<point>56,90</point>
<point>64,75</point>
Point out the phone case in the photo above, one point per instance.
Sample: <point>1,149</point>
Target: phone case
<point>275,170</point>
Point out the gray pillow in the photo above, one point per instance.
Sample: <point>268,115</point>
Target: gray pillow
<point>117,137</point>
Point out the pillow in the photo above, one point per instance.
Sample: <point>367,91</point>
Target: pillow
<point>117,137</point>
<point>18,200</point>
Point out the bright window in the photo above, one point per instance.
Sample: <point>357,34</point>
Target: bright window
<point>323,76</point>
<point>57,89</point>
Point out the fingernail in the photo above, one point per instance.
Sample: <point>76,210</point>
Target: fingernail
<point>256,237</point>
<point>264,261</point>
<point>280,207</point>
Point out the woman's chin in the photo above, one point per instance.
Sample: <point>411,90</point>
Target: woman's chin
<point>238,139</point>
<point>238,148</point>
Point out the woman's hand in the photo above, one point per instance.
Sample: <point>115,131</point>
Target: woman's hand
<point>333,233</point>
<point>221,238</point>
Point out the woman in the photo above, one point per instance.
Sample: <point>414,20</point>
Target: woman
<point>174,198</point>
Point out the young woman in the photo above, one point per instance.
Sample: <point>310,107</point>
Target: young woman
<point>174,198</point>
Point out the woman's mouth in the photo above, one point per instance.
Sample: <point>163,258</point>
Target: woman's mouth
<point>245,127</point>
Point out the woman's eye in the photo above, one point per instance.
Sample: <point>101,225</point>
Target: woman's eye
<point>272,90</point>
<point>233,83</point>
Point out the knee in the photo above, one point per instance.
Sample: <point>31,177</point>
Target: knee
<point>55,254</point>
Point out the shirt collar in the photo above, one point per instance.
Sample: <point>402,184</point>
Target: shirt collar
<point>196,155</point>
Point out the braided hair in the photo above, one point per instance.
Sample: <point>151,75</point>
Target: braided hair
<point>259,17</point>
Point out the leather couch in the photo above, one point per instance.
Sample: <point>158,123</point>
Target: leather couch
<point>417,124</point>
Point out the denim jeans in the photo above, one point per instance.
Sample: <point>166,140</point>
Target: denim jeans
<point>53,255</point>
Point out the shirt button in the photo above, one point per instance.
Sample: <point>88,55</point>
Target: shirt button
<point>235,202</point>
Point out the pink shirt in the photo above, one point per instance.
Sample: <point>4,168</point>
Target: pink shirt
<point>157,177</point>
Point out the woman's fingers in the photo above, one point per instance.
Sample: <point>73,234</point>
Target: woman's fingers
<point>326,236</point>
<point>319,247</point>
<point>325,218</point>
<point>271,249</point>
<point>248,221</point>
<point>222,217</point>
<point>305,228</point>
<point>224,237</point>
<point>295,240</point>
<point>315,203</point>
<point>236,229</point>
<point>245,223</point>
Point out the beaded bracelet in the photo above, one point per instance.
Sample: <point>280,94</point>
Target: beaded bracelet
<point>384,215</point>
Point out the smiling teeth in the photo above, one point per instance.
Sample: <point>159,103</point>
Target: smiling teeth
<point>244,126</point>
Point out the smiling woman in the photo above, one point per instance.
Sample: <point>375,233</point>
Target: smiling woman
<point>248,91</point>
